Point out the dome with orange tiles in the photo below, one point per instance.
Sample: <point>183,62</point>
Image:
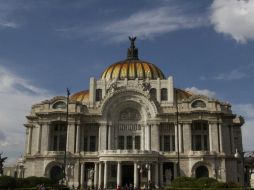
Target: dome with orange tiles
<point>132,67</point>
<point>82,96</point>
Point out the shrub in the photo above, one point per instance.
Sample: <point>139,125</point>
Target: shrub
<point>33,181</point>
<point>181,182</point>
<point>7,181</point>
<point>206,182</point>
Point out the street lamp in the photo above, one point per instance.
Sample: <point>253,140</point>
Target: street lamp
<point>71,167</point>
<point>141,168</point>
<point>240,155</point>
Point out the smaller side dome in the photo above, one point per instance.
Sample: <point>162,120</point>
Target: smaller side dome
<point>82,96</point>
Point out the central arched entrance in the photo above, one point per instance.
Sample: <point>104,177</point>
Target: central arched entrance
<point>55,174</point>
<point>202,171</point>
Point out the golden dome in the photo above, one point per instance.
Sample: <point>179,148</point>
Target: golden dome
<point>82,96</point>
<point>132,67</point>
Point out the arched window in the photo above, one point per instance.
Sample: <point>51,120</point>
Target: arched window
<point>164,94</point>
<point>59,105</point>
<point>200,135</point>
<point>153,92</point>
<point>198,104</point>
<point>98,96</point>
<point>202,171</point>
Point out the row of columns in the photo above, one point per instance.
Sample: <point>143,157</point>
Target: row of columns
<point>101,174</point>
<point>215,138</point>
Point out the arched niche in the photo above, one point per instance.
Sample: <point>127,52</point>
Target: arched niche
<point>112,106</point>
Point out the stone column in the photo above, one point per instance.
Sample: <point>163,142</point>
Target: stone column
<point>82,179</point>
<point>105,175</point>
<point>149,172</point>
<point>156,173</point>
<point>220,138</point>
<point>180,138</point>
<point>96,175</point>
<point>210,137</point>
<point>39,139</point>
<point>135,175</point>
<point>176,138</point>
<point>161,175</point>
<point>77,138</point>
<point>29,138</point>
<point>100,175</point>
<point>143,137</point>
<point>175,170</point>
<point>119,174</point>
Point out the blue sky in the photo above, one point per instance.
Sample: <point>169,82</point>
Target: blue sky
<point>48,45</point>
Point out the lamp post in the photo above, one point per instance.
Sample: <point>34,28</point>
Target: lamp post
<point>240,155</point>
<point>141,168</point>
<point>65,150</point>
<point>71,167</point>
<point>177,134</point>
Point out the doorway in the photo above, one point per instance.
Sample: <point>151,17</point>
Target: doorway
<point>127,175</point>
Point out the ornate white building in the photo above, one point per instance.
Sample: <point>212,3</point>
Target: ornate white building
<point>124,130</point>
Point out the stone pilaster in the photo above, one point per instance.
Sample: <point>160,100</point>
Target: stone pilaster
<point>39,139</point>
<point>77,138</point>
<point>155,137</point>
<point>187,137</point>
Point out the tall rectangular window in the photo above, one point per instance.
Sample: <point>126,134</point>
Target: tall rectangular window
<point>55,143</point>
<point>62,142</point>
<point>129,142</point>
<point>166,143</point>
<point>173,142</point>
<point>198,142</point>
<point>121,142</point>
<point>161,143</point>
<point>92,143</point>
<point>98,95</point>
<point>205,142</point>
<point>137,142</point>
<point>85,144</point>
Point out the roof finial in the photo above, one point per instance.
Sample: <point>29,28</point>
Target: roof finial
<point>132,51</point>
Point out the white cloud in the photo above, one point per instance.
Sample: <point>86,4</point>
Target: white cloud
<point>16,97</point>
<point>233,18</point>
<point>147,24</point>
<point>247,111</point>
<point>7,11</point>
<point>232,75</point>
<point>204,92</point>
<point>144,24</point>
